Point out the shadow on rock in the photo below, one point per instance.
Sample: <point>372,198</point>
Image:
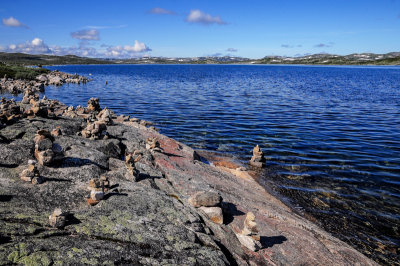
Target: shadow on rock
<point>71,219</point>
<point>4,239</point>
<point>270,241</point>
<point>111,194</point>
<point>230,211</point>
<point>4,198</point>
<point>51,179</point>
<point>143,176</point>
<point>78,162</point>
<point>8,165</point>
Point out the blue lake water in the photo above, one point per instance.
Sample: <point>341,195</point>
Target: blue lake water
<point>331,134</point>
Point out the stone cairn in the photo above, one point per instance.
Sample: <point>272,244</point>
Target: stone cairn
<point>10,111</point>
<point>56,132</point>
<point>258,159</point>
<point>152,144</point>
<point>130,160</point>
<point>105,116</point>
<point>58,218</point>
<point>94,105</point>
<point>95,130</point>
<point>210,204</point>
<point>249,236</point>
<point>97,189</point>
<point>97,125</point>
<point>46,152</point>
<point>31,174</point>
<point>30,96</point>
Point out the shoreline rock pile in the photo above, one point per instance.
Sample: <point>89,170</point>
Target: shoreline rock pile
<point>258,159</point>
<point>56,78</point>
<point>210,204</point>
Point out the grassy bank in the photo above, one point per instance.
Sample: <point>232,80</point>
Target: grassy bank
<point>20,72</point>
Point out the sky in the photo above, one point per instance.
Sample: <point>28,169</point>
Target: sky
<point>193,28</point>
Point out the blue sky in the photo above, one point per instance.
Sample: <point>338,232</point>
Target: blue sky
<point>188,28</point>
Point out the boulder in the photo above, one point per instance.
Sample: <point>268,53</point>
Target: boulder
<point>205,199</point>
<point>214,214</point>
<point>57,219</point>
<point>249,242</point>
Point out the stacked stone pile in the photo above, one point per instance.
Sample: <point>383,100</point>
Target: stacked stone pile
<point>152,144</point>
<point>96,187</point>
<point>210,204</point>
<point>258,159</point>
<point>130,160</point>
<point>31,174</point>
<point>46,152</point>
<point>249,236</point>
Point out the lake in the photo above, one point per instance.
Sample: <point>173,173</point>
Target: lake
<point>331,135</point>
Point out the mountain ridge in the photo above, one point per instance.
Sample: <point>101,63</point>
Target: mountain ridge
<point>392,58</point>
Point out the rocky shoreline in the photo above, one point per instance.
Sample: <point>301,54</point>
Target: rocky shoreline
<point>55,78</point>
<point>81,185</point>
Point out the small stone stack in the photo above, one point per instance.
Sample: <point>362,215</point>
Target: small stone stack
<point>105,182</point>
<point>56,132</point>
<point>152,144</point>
<point>249,236</point>
<point>38,109</point>
<point>94,105</point>
<point>258,159</point>
<point>58,218</point>
<point>30,96</point>
<point>130,160</point>
<point>96,187</point>
<point>31,174</point>
<point>250,227</point>
<point>210,204</point>
<point>105,116</point>
<point>46,152</point>
<point>95,130</point>
<point>9,111</point>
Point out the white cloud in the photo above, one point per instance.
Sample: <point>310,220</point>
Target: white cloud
<point>37,42</point>
<point>161,11</point>
<point>38,46</point>
<point>198,16</point>
<point>139,47</point>
<point>87,35</point>
<point>127,50</point>
<point>13,22</point>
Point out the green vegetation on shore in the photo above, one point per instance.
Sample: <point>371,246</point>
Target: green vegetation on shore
<point>30,60</point>
<point>21,72</point>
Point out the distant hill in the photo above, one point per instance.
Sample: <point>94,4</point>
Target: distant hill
<point>315,59</point>
<point>329,59</point>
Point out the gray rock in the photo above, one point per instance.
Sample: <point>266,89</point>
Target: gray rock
<point>205,199</point>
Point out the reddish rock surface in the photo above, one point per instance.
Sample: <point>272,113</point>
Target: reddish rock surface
<point>286,238</point>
